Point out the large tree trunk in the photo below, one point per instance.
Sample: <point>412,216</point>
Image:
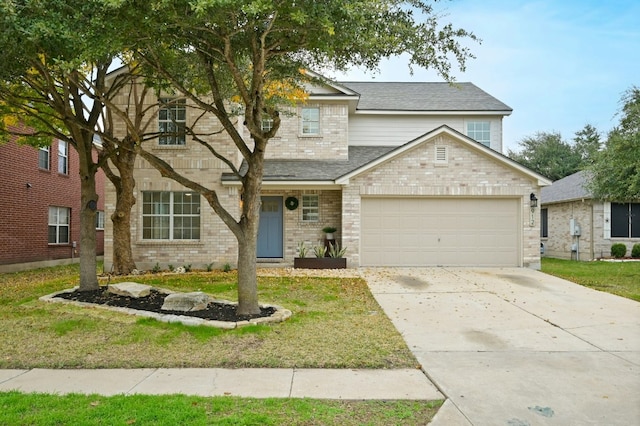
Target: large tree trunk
<point>88,204</point>
<point>247,276</point>
<point>123,262</point>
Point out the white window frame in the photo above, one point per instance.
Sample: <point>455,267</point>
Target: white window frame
<point>266,124</point>
<point>480,131</point>
<point>162,212</point>
<point>174,122</point>
<point>63,157</point>
<point>100,220</point>
<point>310,208</point>
<point>44,154</point>
<point>310,121</point>
<point>59,222</point>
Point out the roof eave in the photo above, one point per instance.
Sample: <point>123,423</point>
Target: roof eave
<point>431,112</point>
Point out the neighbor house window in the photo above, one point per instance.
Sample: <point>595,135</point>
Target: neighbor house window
<point>625,220</point>
<point>480,131</point>
<point>544,223</point>
<point>63,157</point>
<point>100,220</point>
<point>44,157</point>
<point>170,216</point>
<point>266,124</point>
<point>172,118</point>
<point>59,218</point>
<point>310,121</point>
<point>310,208</point>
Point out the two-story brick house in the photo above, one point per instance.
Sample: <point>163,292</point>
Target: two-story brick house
<point>410,174</point>
<point>40,210</point>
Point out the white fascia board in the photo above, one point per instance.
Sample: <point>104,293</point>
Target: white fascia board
<point>331,97</point>
<point>403,112</point>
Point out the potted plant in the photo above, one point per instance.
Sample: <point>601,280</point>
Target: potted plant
<point>328,231</point>
<point>324,259</point>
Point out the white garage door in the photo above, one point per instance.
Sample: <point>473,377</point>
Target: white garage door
<point>440,232</point>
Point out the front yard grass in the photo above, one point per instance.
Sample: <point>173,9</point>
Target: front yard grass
<point>620,278</point>
<point>43,409</point>
<point>336,323</point>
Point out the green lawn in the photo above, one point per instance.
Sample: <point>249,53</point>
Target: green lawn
<point>336,323</point>
<point>43,409</point>
<point>620,278</point>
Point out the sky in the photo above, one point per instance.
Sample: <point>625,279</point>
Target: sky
<point>559,64</point>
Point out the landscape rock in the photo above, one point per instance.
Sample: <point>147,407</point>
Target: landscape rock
<point>130,289</point>
<point>186,302</point>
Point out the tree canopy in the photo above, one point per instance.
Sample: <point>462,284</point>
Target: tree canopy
<point>243,59</point>
<point>616,169</point>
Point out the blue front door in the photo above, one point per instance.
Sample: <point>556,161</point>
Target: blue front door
<point>270,231</point>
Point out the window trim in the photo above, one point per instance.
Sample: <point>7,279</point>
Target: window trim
<point>177,138</point>
<point>100,220</point>
<point>473,133</point>
<point>308,211</point>
<point>172,216</point>
<point>58,225</point>
<point>63,157</point>
<point>304,121</point>
<point>41,151</point>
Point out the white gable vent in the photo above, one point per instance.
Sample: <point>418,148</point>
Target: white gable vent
<point>442,156</point>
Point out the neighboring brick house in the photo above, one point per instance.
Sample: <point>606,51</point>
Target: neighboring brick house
<point>577,226</point>
<point>410,174</point>
<point>40,211</point>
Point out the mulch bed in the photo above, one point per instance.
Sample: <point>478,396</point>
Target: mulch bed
<point>153,303</point>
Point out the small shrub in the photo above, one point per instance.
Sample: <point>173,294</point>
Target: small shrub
<point>618,250</point>
<point>171,267</point>
<point>187,268</point>
<point>156,268</point>
<point>635,250</point>
<point>329,229</point>
<point>336,251</point>
<point>302,250</point>
<point>320,251</point>
<point>226,267</point>
<point>209,267</point>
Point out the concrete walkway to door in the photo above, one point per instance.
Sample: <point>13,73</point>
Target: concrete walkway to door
<point>515,346</point>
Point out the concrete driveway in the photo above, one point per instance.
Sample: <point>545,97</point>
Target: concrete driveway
<point>517,347</point>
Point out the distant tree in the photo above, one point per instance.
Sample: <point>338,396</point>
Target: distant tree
<point>587,144</point>
<point>547,154</point>
<point>616,169</point>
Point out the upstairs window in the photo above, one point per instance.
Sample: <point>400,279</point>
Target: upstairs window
<point>266,124</point>
<point>310,208</point>
<point>44,158</point>
<point>625,220</point>
<point>480,131</point>
<point>170,215</point>
<point>59,219</point>
<point>63,157</point>
<point>310,123</point>
<point>172,118</point>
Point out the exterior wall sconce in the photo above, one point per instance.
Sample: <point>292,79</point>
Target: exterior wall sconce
<point>533,203</point>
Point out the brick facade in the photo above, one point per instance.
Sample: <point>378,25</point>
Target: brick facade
<point>26,194</point>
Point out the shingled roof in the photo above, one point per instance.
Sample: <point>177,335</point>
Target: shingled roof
<point>424,96</point>
<point>572,187</point>
<point>276,170</point>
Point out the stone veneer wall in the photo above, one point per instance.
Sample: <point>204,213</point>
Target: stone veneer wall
<point>468,173</point>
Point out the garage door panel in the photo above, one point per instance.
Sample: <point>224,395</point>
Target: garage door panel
<point>440,231</point>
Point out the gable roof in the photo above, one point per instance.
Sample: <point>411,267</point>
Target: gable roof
<point>444,129</point>
<point>425,97</point>
<point>361,159</point>
<point>572,187</point>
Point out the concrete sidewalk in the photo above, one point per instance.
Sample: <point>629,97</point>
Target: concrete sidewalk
<point>255,383</point>
<point>517,347</point>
